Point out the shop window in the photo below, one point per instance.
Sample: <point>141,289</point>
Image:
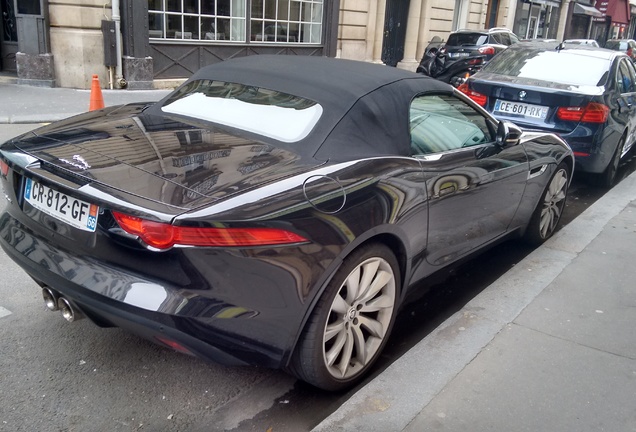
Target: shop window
<point>286,21</point>
<point>269,21</point>
<point>202,20</point>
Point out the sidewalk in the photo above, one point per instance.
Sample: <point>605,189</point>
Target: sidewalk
<point>550,346</point>
<point>27,104</point>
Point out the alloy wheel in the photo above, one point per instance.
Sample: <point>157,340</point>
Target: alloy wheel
<point>359,318</point>
<point>553,203</point>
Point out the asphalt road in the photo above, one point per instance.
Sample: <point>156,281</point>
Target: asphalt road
<point>57,376</point>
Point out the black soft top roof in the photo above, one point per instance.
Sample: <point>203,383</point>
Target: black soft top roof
<point>322,79</point>
<point>365,105</point>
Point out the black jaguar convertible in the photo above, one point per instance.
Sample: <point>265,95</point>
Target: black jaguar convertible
<point>272,210</point>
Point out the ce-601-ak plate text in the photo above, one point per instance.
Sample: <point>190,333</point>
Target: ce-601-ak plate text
<point>75,212</point>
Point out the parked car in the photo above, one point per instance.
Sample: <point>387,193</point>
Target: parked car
<point>438,65</point>
<point>547,40</point>
<point>586,95</point>
<point>463,43</point>
<point>588,42</point>
<point>273,210</point>
<point>628,46</point>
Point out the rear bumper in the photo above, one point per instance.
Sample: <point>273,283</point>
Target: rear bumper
<point>593,149</point>
<point>160,313</point>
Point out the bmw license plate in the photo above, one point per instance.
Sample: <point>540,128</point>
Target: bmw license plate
<point>520,109</point>
<point>75,212</point>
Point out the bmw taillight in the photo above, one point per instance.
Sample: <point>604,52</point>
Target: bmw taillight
<point>591,113</point>
<point>161,235</point>
<point>487,50</point>
<point>481,99</point>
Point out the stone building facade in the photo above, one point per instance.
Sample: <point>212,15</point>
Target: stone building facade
<point>364,24</point>
<point>155,43</point>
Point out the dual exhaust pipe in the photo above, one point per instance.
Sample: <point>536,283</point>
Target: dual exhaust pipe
<point>54,301</point>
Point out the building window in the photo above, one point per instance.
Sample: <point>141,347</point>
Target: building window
<point>293,21</point>
<point>269,21</point>
<point>201,20</point>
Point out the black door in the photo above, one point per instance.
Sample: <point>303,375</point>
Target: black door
<point>8,36</point>
<point>493,9</point>
<point>474,185</point>
<point>397,12</point>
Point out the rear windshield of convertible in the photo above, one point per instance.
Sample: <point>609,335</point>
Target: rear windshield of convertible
<point>269,113</point>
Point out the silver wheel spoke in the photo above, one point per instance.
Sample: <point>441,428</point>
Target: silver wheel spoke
<point>382,302</point>
<point>353,285</point>
<point>347,350</point>
<point>334,329</point>
<point>375,328</point>
<point>333,354</point>
<point>546,222</point>
<point>361,348</point>
<point>380,280</point>
<point>339,305</point>
<point>369,271</point>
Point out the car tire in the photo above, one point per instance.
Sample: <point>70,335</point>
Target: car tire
<point>351,321</point>
<point>608,177</point>
<point>548,212</point>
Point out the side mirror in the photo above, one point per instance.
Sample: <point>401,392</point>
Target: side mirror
<point>508,134</point>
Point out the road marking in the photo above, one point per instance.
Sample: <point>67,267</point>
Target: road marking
<point>4,312</point>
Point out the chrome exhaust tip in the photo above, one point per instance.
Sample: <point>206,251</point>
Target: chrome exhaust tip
<point>50,299</point>
<point>69,312</point>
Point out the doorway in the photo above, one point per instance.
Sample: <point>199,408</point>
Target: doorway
<point>492,14</point>
<point>397,12</point>
<point>8,37</point>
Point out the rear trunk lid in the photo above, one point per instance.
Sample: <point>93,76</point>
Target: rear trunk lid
<point>154,161</point>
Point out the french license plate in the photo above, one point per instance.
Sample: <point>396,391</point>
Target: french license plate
<point>73,211</point>
<point>458,54</point>
<point>520,109</point>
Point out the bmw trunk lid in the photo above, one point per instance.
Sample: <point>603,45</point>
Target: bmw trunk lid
<point>533,103</point>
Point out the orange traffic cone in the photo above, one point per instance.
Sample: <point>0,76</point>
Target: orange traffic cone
<point>97,100</point>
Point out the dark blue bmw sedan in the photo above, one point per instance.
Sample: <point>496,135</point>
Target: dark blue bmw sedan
<point>585,95</point>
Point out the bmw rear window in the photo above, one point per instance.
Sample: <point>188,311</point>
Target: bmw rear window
<point>269,113</point>
<point>564,67</point>
<point>468,39</point>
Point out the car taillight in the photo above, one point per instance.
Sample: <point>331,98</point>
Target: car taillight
<point>629,51</point>
<point>481,99</point>
<point>163,236</point>
<point>488,50</point>
<point>591,113</point>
